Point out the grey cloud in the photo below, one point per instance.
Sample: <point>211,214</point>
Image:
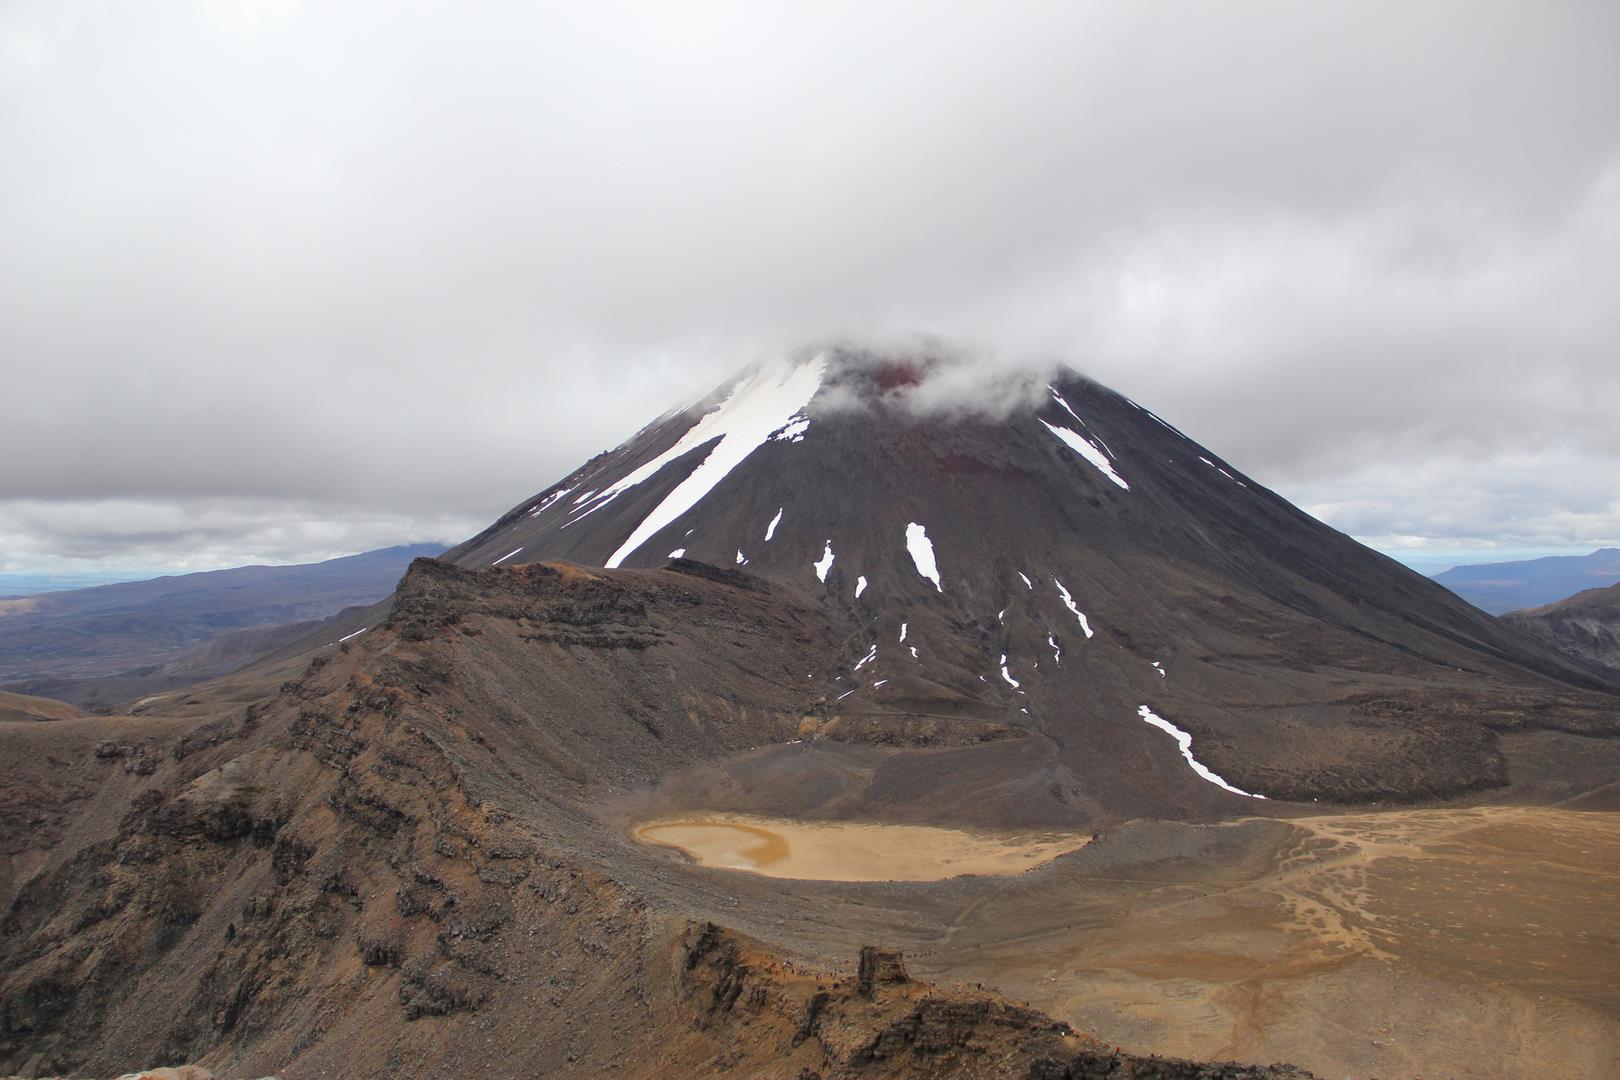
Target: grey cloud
<point>409,264</point>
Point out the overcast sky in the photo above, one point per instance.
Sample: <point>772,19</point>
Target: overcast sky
<point>280,281</point>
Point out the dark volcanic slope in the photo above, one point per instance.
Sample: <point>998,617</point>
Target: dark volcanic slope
<point>1586,625</point>
<point>108,630</point>
<point>1502,587</point>
<point>1062,563</point>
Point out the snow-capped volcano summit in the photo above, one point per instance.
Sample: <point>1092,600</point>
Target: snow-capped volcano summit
<point>1053,557</point>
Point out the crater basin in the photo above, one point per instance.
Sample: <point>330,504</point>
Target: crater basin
<point>852,851</point>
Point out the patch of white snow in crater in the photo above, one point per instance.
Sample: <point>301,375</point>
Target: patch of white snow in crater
<point>770,530</point>
<point>508,555</point>
<point>1005,674</point>
<point>757,407</point>
<point>825,564</point>
<point>1068,602</point>
<point>356,634</point>
<point>1083,446</point>
<point>742,560</point>
<point>867,659</point>
<point>860,586</point>
<point>1028,584</point>
<point>1184,740</point>
<point>922,553</point>
<point>678,553</point>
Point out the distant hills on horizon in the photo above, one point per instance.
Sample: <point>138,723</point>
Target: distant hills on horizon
<point>1529,583</point>
<point>106,643</point>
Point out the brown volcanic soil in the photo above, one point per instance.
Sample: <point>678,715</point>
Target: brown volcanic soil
<point>414,859</point>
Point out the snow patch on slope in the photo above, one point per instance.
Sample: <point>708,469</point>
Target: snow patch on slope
<point>1068,602</point>
<point>508,555</point>
<point>1222,471</point>
<point>793,431</point>
<point>757,407</point>
<point>922,553</point>
<point>1184,741</point>
<point>825,564</point>
<point>1070,410</point>
<point>860,586</point>
<point>1083,446</point>
<point>548,500</point>
<point>1005,674</point>
<point>770,530</point>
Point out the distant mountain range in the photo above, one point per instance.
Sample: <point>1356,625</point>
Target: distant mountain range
<point>1512,586</point>
<point>113,642</point>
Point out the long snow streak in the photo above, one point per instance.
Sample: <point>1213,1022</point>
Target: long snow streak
<point>757,407</point>
<point>825,564</point>
<point>1184,741</point>
<point>508,555</point>
<point>1057,650</point>
<point>356,634</point>
<point>1082,446</point>
<point>868,658</point>
<point>1059,398</point>
<point>1068,602</point>
<point>860,586</point>
<point>1005,674</point>
<point>922,553</point>
<point>1222,471</point>
<point>770,530</point>
<point>903,627</point>
<point>1028,584</point>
